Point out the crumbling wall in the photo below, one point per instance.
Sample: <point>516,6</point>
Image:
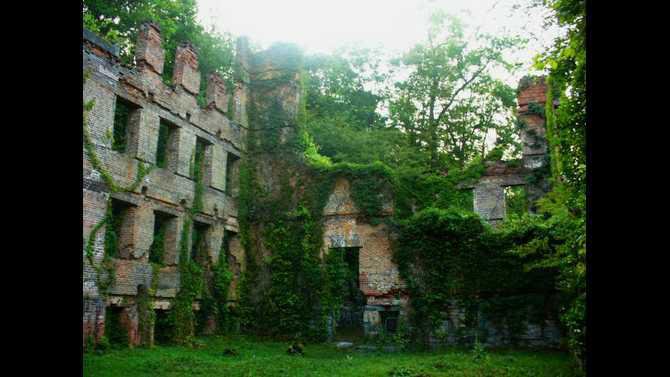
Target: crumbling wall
<point>379,279</point>
<point>172,190</point>
<point>489,191</point>
<point>539,333</point>
<point>489,202</point>
<point>169,190</point>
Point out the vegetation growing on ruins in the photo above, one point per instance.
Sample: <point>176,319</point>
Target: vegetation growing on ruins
<point>431,140</point>
<point>118,22</point>
<point>105,268</point>
<point>564,208</point>
<point>93,158</point>
<point>451,256</point>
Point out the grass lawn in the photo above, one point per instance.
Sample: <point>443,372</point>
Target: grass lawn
<point>267,358</point>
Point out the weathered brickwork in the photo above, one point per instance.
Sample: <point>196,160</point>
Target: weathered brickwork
<point>169,192</point>
<point>166,191</point>
<point>489,191</point>
<point>379,279</point>
<point>489,202</point>
<point>544,333</point>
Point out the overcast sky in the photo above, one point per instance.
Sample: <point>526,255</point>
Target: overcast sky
<point>394,25</point>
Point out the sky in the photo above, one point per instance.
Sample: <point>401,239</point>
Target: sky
<point>393,25</point>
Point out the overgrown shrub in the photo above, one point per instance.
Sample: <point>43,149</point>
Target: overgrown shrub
<point>451,257</point>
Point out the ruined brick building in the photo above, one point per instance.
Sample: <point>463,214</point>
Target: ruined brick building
<point>155,109</point>
<point>163,127</point>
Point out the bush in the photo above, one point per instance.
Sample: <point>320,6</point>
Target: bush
<point>451,257</point>
<point>103,345</point>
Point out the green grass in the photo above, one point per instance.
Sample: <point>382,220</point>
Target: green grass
<point>269,358</point>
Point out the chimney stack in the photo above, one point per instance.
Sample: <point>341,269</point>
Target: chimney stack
<point>186,71</point>
<point>216,93</point>
<point>531,99</point>
<point>149,53</point>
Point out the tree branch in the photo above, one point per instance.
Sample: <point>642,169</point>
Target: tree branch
<point>465,84</point>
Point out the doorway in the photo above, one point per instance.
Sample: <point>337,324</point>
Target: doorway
<point>349,325</point>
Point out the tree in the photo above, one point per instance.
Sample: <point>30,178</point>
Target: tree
<point>563,244</point>
<point>450,101</point>
<point>566,134</point>
<point>344,92</point>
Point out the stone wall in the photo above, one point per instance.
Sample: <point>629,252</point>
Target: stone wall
<point>169,191</point>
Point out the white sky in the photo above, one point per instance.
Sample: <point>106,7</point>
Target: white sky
<point>394,25</point>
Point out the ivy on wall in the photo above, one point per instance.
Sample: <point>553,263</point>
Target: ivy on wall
<point>289,289</point>
<point>104,270</point>
<point>452,256</point>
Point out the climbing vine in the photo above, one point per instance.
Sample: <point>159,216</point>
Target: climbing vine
<point>450,257</point>
<point>289,289</point>
<point>104,271</point>
<point>221,280</point>
<point>190,287</point>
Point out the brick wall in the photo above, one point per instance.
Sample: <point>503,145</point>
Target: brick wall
<point>167,190</point>
<point>171,190</point>
<point>489,191</point>
<point>379,279</point>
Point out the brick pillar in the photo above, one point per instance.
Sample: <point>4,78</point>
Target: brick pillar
<point>217,232</point>
<point>144,230</point>
<point>94,318</point>
<point>149,54</point>
<point>216,93</point>
<point>186,72</point>
<point>218,172</point>
<point>171,241</point>
<point>531,99</point>
<point>208,166</point>
<point>185,146</point>
<point>127,235</point>
<point>143,135</point>
<point>172,255</point>
<point>532,102</point>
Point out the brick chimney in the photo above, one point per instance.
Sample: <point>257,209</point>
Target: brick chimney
<point>216,93</point>
<point>531,99</point>
<point>148,53</point>
<point>186,71</point>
